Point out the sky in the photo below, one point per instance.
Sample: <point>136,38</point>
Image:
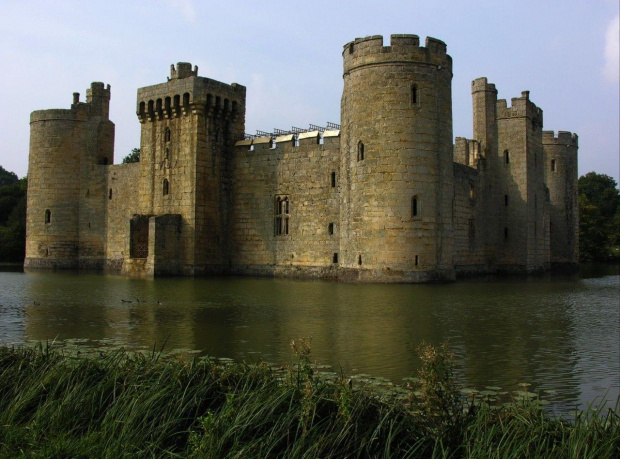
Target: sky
<point>289,56</point>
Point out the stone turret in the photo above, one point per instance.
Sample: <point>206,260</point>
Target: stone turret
<point>66,146</point>
<point>560,169</point>
<point>396,150</point>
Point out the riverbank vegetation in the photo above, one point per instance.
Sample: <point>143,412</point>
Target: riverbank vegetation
<point>122,404</point>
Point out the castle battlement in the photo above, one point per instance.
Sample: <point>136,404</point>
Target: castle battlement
<point>563,138</point>
<point>185,92</point>
<point>482,84</point>
<point>183,70</point>
<point>403,48</point>
<point>521,107</point>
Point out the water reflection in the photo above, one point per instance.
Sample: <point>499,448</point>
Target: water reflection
<point>561,333</point>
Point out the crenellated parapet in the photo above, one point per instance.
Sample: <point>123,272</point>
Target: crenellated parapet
<point>403,48</point>
<point>565,138</point>
<point>482,85</point>
<point>186,93</point>
<point>521,107</point>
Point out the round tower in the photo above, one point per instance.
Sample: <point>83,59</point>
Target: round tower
<point>396,150</point>
<point>561,176</point>
<point>56,142</point>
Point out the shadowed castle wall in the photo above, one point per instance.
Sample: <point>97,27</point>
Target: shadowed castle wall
<point>560,169</point>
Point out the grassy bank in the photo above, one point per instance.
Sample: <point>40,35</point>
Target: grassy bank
<point>119,404</point>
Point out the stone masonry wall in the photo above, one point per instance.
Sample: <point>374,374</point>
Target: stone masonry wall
<point>560,169</point>
<point>301,175</point>
<point>396,151</point>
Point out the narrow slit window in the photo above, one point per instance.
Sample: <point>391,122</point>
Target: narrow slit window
<point>506,200</point>
<point>415,206</point>
<point>110,194</point>
<point>359,260</point>
<point>330,228</point>
<point>48,216</point>
<point>167,135</point>
<point>415,97</point>
<point>335,257</point>
<point>507,156</point>
<point>333,180</point>
<point>553,165</point>
<point>360,151</point>
<point>166,187</point>
<point>416,260</point>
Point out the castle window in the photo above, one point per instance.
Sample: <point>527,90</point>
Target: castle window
<point>330,228</point>
<point>359,260</point>
<point>282,215</point>
<point>167,135</point>
<point>167,153</point>
<point>110,194</point>
<point>351,48</point>
<point>553,165</point>
<point>506,156</point>
<point>360,151</point>
<point>416,260</point>
<point>166,187</point>
<point>415,98</point>
<point>335,257</point>
<point>506,200</point>
<point>333,180</point>
<point>48,216</point>
<point>142,109</point>
<point>186,100</point>
<point>415,206</point>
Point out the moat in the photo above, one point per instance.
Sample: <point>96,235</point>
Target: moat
<point>559,333</point>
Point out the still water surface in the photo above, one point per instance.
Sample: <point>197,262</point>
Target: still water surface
<point>559,333</point>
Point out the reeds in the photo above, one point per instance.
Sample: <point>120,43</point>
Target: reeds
<point>122,404</point>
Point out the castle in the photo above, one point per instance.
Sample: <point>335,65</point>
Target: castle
<point>387,196</point>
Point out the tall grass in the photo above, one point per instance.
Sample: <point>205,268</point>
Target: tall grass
<point>120,404</point>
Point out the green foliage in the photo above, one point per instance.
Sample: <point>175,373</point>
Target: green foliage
<point>7,178</point>
<point>12,217</point>
<point>599,217</point>
<point>133,157</point>
<point>125,405</point>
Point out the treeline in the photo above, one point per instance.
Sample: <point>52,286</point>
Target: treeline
<point>599,218</point>
<point>12,216</point>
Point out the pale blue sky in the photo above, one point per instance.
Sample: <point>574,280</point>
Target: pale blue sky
<point>288,54</point>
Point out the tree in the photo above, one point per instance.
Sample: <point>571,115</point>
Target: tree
<point>132,157</point>
<point>6,177</point>
<point>599,217</point>
<point>13,219</point>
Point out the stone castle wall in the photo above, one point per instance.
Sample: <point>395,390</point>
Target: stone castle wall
<point>285,205</point>
<point>560,170</point>
<point>396,159</point>
<point>388,197</point>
